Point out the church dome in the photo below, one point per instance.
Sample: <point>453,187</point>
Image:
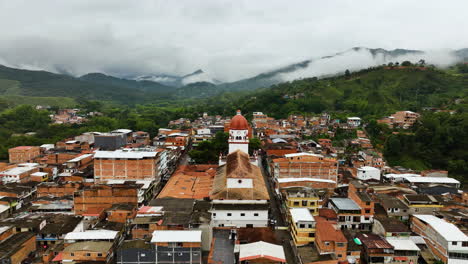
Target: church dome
<point>238,122</point>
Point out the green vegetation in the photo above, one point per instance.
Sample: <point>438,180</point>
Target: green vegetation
<point>17,121</point>
<point>207,152</point>
<point>373,92</point>
<point>438,141</point>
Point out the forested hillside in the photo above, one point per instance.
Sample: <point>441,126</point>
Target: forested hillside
<point>368,93</point>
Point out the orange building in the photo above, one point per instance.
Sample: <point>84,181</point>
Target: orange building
<point>88,251</point>
<point>330,240</point>
<point>187,244</point>
<point>401,119</point>
<point>57,189</point>
<point>18,174</point>
<point>125,165</point>
<point>357,193</point>
<point>101,197</point>
<point>58,158</point>
<point>121,213</point>
<point>23,154</point>
<point>190,181</point>
<point>17,247</point>
<point>305,166</point>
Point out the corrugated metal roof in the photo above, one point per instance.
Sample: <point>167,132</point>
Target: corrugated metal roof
<point>176,236</point>
<point>301,215</point>
<point>432,180</point>
<point>345,204</point>
<point>402,243</point>
<point>92,235</point>
<point>261,249</point>
<point>119,154</point>
<point>447,230</point>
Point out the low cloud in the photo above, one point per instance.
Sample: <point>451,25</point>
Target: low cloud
<point>229,40</point>
<point>354,60</point>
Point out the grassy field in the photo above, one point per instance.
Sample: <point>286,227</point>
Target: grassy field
<point>62,102</point>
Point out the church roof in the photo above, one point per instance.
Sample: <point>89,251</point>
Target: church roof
<point>238,122</point>
<point>238,166</point>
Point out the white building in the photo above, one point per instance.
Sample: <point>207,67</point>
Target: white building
<point>239,134</point>
<point>353,121</point>
<point>368,173</point>
<point>444,239</point>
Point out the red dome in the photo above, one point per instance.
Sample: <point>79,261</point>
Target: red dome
<point>238,122</point>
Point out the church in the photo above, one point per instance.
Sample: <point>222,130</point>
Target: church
<point>239,134</point>
<point>239,195</point>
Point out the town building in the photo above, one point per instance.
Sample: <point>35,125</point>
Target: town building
<point>97,198</point>
<point>301,166</point>
<point>17,247</point>
<point>23,154</point>
<point>126,164</point>
<point>368,173</point>
<point>302,225</point>
<point>261,252</point>
<point>239,134</point>
<point>375,249</point>
<point>357,192</point>
<point>405,251</point>
<point>329,239</point>
<point>353,122</point>
<point>400,119</point>
<point>445,240</point>
<point>110,141</point>
<point>348,213</point>
<point>191,182</point>
<point>18,174</point>
<point>177,246</point>
<point>302,197</point>
<point>88,252</point>
<point>239,196</point>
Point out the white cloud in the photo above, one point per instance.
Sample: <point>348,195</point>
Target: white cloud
<point>227,39</point>
<point>354,60</point>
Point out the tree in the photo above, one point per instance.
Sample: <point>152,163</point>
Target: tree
<point>347,74</point>
<point>406,63</point>
<point>254,144</point>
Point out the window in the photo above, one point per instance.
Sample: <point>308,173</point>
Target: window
<point>304,203</point>
<point>214,214</point>
<point>340,244</point>
<point>88,254</point>
<point>100,254</point>
<point>72,254</point>
<point>255,214</point>
<point>311,234</point>
<point>454,243</point>
<point>301,226</point>
<point>312,203</point>
<point>296,203</point>
<point>229,214</point>
<point>367,211</point>
<point>339,255</point>
<point>310,225</point>
<point>367,203</point>
<point>327,243</point>
<point>242,214</point>
<point>465,244</point>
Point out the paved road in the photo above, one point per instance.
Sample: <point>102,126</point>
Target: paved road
<point>283,236</point>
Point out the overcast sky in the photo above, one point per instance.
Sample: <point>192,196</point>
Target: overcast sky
<point>228,39</point>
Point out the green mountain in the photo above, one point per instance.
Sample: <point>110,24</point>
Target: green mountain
<point>26,83</point>
<point>145,86</point>
<point>374,92</point>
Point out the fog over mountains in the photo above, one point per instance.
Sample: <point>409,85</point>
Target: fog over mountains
<point>352,59</point>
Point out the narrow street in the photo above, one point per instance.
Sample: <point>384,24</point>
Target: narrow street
<point>281,227</point>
